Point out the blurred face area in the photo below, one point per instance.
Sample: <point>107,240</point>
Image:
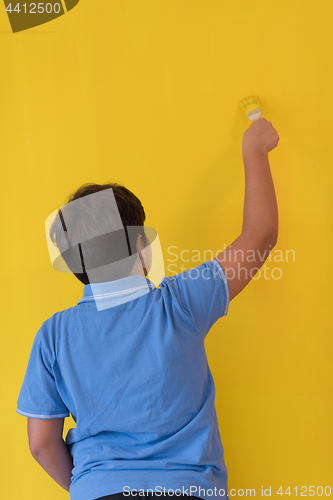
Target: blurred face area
<point>70,230</point>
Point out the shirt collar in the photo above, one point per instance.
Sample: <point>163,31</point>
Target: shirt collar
<point>112,293</point>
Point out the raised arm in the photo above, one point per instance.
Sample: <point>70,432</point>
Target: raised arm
<point>244,257</point>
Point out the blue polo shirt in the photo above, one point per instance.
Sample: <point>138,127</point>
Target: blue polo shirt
<point>135,378</point>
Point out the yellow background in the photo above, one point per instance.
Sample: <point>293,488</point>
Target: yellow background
<point>146,93</point>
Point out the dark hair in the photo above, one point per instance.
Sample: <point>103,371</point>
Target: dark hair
<point>94,218</point>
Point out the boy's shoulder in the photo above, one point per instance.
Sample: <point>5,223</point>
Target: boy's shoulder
<point>51,327</point>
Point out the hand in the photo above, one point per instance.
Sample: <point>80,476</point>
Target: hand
<point>260,136</point>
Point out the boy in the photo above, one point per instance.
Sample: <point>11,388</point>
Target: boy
<point>128,362</point>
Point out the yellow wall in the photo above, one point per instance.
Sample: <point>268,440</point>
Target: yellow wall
<point>146,93</point>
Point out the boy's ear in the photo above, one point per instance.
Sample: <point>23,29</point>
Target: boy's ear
<point>139,243</point>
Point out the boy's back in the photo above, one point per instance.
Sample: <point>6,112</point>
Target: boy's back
<point>136,380</point>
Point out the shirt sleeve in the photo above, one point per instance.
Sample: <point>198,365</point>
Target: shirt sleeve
<point>203,294</point>
<point>39,397</point>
